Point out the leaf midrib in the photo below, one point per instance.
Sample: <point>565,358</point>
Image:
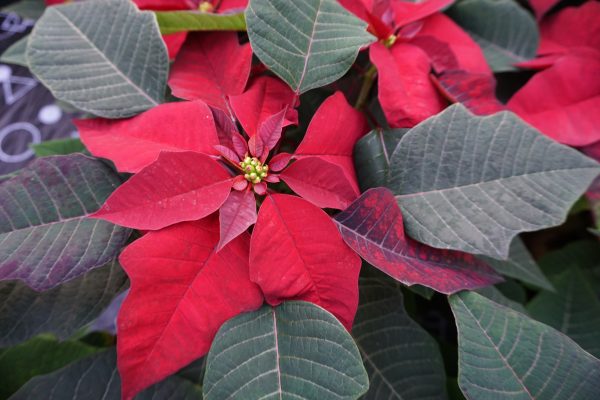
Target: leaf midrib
<point>477,184</point>
<point>496,348</point>
<point>93,46</point>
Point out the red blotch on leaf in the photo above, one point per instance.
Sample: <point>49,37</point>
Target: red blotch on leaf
<point>297,253</point>
<point>136,142</point>
<point>177,187</point>
<point>182,291</point>
<point>373,227</point>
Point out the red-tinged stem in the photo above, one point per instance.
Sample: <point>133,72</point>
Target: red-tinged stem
<point>365,89</point>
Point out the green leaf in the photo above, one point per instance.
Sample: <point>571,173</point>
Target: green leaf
<point>584,254</point>
<point>506,32</point>
<point>372,156</point>
<point>308,43</point>
<point>504,354</point>
<point>39,355</point>
<point>97,378</point>
<point>296,350</point>
<point>15,54</point>
<point>182,21</point>
<point>63,310</point>
<point>473,183</point>
<point>573,309</point>
<point>26,8</point>
<point>46,236</point>
<point>496,296</point>
<point>80,57</point>
<point>58,147</point>
<point>520,265</point>
<point>402,360</point>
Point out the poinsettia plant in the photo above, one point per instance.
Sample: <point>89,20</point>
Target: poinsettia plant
<point>316,199</point>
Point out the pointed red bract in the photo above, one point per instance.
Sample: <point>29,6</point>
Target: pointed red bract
<point>265,97</point>
<point>332,133</point>
<point>236,215</point>
<point>211,67</point>
<point>279,161</point>
<point>477,92</point>
<point>406,92</point>
<point>174,41</point>
<point>270,129</point>
<point>182,290</point>
<point>136,142</point>
<point>296,253</point>
<point>563,100</point>
<point>226,127</point>
<point>177,187</point>
<point>322,183</point>
<point>373,227</point>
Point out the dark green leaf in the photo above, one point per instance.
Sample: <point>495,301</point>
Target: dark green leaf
<point>296,350</point>
<point>402,360</point>
<point>62,311</point>
<point>93,74</point>
<point>37,356</point>
<point>97,378</point>
<point>504,354</point>
<point>496,296</point>
<point>181,21</point>
<point>520,265</point>
<point>473,183</point>
<point>46,237</point>
<point>58,147</point>
<point>308,43</point>
<point>506,32</point>
<point>573,309</point>
<point>372,156</point>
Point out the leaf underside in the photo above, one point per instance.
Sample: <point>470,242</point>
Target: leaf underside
<point>473,183</point>
<point>308,43</point>
<point>46,237</point>
<point>94,75</point>
<point>296,350</point>
<point>517,357</point>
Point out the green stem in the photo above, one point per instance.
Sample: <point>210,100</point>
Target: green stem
<point>365,89</point>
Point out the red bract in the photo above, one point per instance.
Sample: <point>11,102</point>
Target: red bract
<point>211,67</point>
<point>319,267</point>
<point>182,290</point>
<point>563,100</point>
<point>572,28</point>
<point>136,142</point>
<point>265,97</point>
